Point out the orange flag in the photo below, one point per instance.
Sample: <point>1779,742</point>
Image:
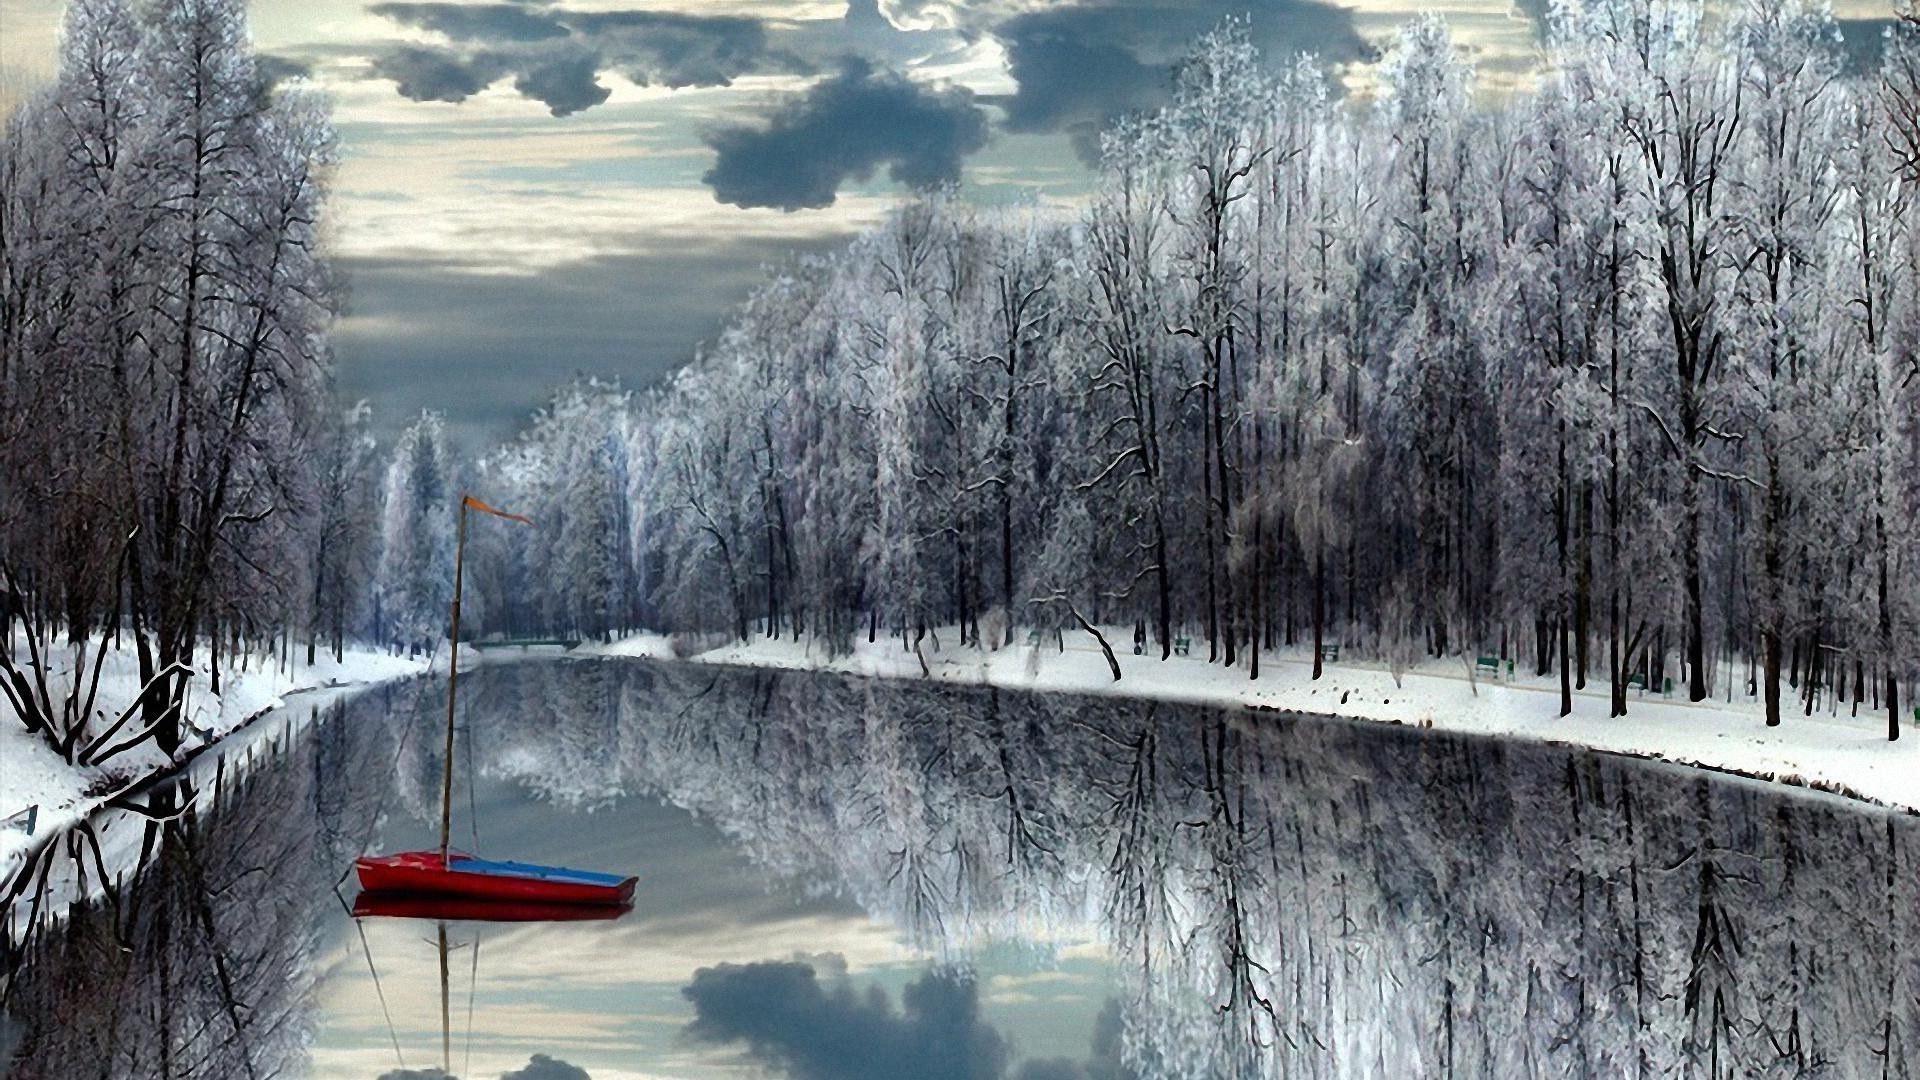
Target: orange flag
<point>468,500</point>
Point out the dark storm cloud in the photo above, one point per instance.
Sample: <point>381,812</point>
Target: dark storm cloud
<point>555,56</point>
<point>1079,66</point>
<point>789,1021</point>
<point>841,128</point>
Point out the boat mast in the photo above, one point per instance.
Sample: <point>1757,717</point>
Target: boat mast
<point>446,1024</point>
<point>453,678</point>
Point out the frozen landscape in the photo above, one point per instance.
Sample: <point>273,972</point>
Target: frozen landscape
<point>984,540</point>
<point>1837,752</point>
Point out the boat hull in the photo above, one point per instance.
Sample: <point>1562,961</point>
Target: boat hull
<point>425,873</point>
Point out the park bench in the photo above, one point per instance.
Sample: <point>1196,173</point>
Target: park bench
<point>1182,645</point>
<point>24,820</point>
<point>1491,664</point>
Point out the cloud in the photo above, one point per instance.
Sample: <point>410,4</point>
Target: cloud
<point>1537,13</point>
<point>1052,1069</point>
<point>539,1067</point>
<point>430,73</point>
<point>788,1021</point>
<point>274,70</point>
<point>676,50</point>
<point>844,127</point>
<point>866,14</point>
<point>1079,66</point>
<point>565,83</point>
<point>1072,84</point>
<point>556,55</point>
<point>542,1067</point>
<point>1863,43</point>
<point>476,22</point>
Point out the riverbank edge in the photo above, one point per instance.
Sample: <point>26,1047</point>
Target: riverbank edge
<point>18,848</point>
<point>1838,755</point>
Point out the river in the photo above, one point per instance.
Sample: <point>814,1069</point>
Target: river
<point>851,878</point>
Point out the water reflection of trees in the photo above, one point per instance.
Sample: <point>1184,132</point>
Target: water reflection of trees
<point>1284,896</point>
<point>197,963</point>
<point>1294,897</point>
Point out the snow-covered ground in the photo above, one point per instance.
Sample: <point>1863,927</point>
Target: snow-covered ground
<point>32,774</point>
<point>1840,753</point>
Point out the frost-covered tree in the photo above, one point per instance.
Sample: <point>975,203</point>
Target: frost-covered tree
<point>166,309</point>
<point>348,515</point>
<point>1131,387</point>
<point>1789,66</point>
<point>1432,377</point>
<point>413,587</point>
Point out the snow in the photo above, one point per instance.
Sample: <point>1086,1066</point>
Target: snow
<point>32,774</point>
<point>1839,753</point>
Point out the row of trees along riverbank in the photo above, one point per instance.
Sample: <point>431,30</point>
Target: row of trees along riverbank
<point>1616,377</point>
<point>170,455</point>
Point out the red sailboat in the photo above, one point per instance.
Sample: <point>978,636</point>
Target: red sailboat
<point>450,873</point>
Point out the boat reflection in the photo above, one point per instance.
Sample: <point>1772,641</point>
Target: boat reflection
<point>443,910</point>
<point>385,905</point>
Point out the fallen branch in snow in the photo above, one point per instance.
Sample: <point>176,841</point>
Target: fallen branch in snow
<point>1106,650</point>
<point>87,756</point>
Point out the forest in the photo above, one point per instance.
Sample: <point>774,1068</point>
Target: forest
<point>1617,377</point>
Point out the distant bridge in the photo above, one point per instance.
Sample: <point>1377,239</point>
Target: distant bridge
<point>522,642</point>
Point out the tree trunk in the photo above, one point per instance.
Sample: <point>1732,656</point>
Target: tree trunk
<point>1583,581</point>
<point>1770,648</point>
<point>1319,608</point>
<point>1566,667</point>
<point>1696,614</point>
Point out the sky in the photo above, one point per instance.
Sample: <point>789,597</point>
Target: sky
<point>532,190</point>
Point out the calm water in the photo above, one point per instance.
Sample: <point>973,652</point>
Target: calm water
<point>848,879</point>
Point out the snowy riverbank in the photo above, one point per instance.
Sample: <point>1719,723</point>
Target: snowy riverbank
<point>33,775</point>
<point>1840,753</point>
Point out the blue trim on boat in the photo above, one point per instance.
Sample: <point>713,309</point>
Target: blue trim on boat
<point>529,870</point>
